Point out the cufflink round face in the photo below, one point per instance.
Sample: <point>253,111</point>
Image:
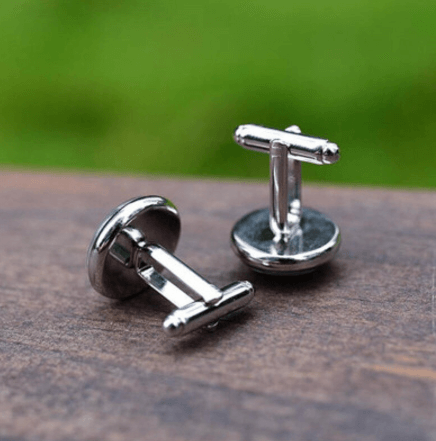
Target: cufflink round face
<point>314,241</point>
<point>110,260</point>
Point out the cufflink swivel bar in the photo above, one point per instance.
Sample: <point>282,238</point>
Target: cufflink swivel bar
<point>286,239</point>
<point>132,247</point>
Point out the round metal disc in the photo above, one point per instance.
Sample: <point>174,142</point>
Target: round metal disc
<point>313,244</point>
<point>110,267</point>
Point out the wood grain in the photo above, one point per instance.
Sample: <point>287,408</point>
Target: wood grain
<point>347,352</point>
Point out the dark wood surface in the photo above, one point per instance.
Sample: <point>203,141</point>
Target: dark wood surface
<point>347,352</point>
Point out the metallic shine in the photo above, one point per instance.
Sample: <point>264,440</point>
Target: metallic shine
<point>155,217</point>
<point>286,239</point>
<point>301,147</point>
<point>314,242</point>
<point>131,248</point>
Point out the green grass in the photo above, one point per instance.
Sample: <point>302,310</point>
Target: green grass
<point>158,87</point>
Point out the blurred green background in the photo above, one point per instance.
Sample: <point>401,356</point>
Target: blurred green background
<point>158,86</point>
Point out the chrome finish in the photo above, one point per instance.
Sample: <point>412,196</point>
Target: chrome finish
<point>287,239</point>
<point>196,314</point>
<point>294,185</point>
<point>164,287</point>
<point>279,222</point>
<point>208,292</point>
<point>131,248</point>
<point>313,243</point>
<point>285,188</point>
<point>301,147</point>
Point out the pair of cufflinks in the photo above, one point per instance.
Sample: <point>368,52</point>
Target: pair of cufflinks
<point>135,242</point>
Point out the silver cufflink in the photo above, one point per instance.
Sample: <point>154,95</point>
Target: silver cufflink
<point>286,238</point>
<point>131,248</point>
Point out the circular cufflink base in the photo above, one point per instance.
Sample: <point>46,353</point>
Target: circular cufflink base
<point>156,218</point>
<point>314,243</point>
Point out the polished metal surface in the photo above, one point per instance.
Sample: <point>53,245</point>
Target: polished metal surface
<point>110,258</point>
<point>131,248</point>
<point>196,314</point>
<point>314,242</point>
<point>286,239</point>
<point>208,292</point>
<point>301,147</point>
<point>279,221</point>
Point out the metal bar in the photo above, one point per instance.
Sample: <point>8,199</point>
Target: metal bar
<point>294,191</point>
<point>301,147</point>
<point>164,287</point>
<point>187,276</point>
<point>279,199</point>
<point>184,320</point>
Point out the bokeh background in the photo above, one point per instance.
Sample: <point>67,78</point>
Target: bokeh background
<point>157,87</point>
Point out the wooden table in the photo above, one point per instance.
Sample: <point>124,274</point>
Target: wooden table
<point>347,352</point>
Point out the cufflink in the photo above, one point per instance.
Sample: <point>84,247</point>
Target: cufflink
<point>134,245</point>
<point>286,239</point>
